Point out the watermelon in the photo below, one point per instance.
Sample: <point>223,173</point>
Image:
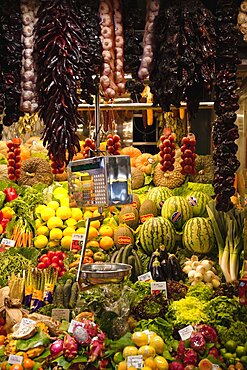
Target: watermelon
<point>154,232</point>
<point>198,201</point>
<point>158,195</point>
<point>198,235</point>
<point>177,210</point>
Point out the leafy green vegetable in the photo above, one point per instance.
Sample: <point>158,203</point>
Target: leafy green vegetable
<point>224,311</point>
<point>119,344</point>
<point>157,325</point>
<point>204,188</point>
<point>39,339</point>
<point>189,310</point>
<point>237,332</point>
<point>12,261</point>
<point>200,291</point>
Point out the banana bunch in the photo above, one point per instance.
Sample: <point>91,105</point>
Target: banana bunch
<point>128,255</point>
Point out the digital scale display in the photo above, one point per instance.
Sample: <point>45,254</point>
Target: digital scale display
<point>86,167</point>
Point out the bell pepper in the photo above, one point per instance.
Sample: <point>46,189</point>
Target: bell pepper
<point>4,223</point>
<point>88,253</point>
<point>2,198</point>
<point>7,212</point>
<point>87,260</point>
<point>11,194</point>
<point>99,256</point>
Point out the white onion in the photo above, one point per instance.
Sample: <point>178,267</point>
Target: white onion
<point>195,264</point>
<point>200,269</point>
<point>187,269</point>
<point>194,258</point>
<point>210,285</point>
<point>206,264</point>
<point>208,276</point>
<point>216,283</point>
<point>189,262</point>
<point>198,276</point>
<point>191,274</point>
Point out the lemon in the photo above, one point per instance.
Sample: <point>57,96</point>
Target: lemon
<point>95,224</point>
<point>87,214</point>
<point>150,363</point>
<point>158,344</point>
<point>43,230</point>
<point>80,230</point>
<point>38,223</point>
<point>40,241</point>
<point>56,234</point>
<point>40,208</point>
<point>64,202</point>
<point>161,363</point>
<point>76,213</point>
<point>68,231</point>
<point>130,351</point>
<point>146,351</point>
<point>47,213</point>
<point>53,204</point>
<point>146,368</point>
<point>118,357</point>
<point>54,222</point>
<point>66,242</point>
<point>63,212</point>
<point>70,222</point>
<point>60,191</point>
<point>122,365</point>
<point>139,338</point>
<point>92,233</point>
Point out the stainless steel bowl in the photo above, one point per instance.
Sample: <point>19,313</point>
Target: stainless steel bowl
<point>104,273</point>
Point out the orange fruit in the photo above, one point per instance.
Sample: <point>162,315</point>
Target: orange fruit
<point>150,363</point>
<point>122,365</point>
<point>95,224</point>
<point>92,233</point>
<point>3,367</point>
<point>106,243</point>
<point>16,367</point>
<point>28,363</point>
<point>2,339</point>
<point>92,243</point>
<point>106,230</point>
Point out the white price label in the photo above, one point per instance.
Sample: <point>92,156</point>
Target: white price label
<point>72,325</point>
<point>26,322</point>
<point>60,314</point>
<point>79,237</point>
<point>145,277</point>
<point>135,361</point>
<point>13,359</point>
<point>8,242</point>
<point>186,332</point>
<point>214,367</point>
<point>157,287</point>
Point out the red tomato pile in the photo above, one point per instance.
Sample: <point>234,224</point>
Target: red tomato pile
<point>14,158</point>
<point>188,155</point>
<point>113,144</point>
<point>53,259</point>
<point>88,145</point>
<point>57,166</point>
<point>167,153</point>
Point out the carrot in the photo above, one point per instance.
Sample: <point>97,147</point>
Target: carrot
<point>24,239</point>
<point>182,113</point>
<point>17,234</point>
<point>30,237</point>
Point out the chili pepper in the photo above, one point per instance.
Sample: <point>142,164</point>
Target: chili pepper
<point>11,194</point>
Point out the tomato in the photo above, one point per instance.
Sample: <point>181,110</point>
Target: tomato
<point>51,254</point>
<point>188,153</point>
<point>16,367</point>
<point>41,265</point>
<point>11,162</point>
<point>55,265</point>
<point>64,255</point>
<point>166,142</point>
<point>55,259</point>
<point>46,261</point>
<point>11,155</point>
<point>18,158</point>
<point>44,256</point>
<point>59,254</point>
<point>2,340</point>
<point>60,263</point>
<point>28,363</point>
<point>17,151</point>
<point>109,141</point>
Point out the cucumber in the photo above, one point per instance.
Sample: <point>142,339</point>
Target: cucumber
<point>114,256</point>
<point>58,297</point>
<point>138,262</point>
<point>126,253</point>
<point>119,255</point>
<point>67,292</point>
<point>131,261</point>
<point>73,295</point>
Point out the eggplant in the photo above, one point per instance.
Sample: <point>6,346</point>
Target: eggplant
<point>156,271</point>
<point>163,253</point>
<point>166,269</point>
<point>155,255</point>
<point>176,270</point>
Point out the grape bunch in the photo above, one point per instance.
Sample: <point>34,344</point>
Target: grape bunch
<point>57,167</point>
<point>188,155</point>
<point>167,152</point>
<point>113,144</point>
<point>14,158</point>
<point>88,146</point>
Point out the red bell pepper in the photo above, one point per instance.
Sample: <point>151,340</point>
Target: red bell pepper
<point>11,194</point>
<point>4,223</point>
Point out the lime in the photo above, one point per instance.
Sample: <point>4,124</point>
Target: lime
<point>222,351</point>
<point>227,356</point>
<point>118,357</point>
<point>231,346</point>
<point>243,359</point>
<point>240,351</point>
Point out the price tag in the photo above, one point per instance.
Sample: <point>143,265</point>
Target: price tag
<point>214,367</point>
<point>26,322</point>
<point>145,277</point>
<point>157,287</point>
<point>79,237</point>
<point>13,359</point>
<point>72,325</point>
<point>8,242</point>
<point>186,332</point>
<point>60,314</point>
<point>77,241</point>
<point>135,361</point>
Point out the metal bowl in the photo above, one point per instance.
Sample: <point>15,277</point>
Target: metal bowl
<point>104,273</point>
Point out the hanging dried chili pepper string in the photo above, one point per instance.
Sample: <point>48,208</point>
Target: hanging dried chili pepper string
<point>225,131</point>
<point>11,60</point>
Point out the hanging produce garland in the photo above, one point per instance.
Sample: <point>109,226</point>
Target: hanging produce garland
<point>60,51</point>
<point>11,59</point>
<point>225,131</point>
<point>184,54</point>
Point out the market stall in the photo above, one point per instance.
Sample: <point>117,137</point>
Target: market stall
<point>123,185</point>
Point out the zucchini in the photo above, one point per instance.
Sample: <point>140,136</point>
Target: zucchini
<point>67,292</point>
<point>131,261</point>
<point>58,298</point>
<point>114,256</point>
<point>126,253</point>
<point>119,256</point>
<point>138,262</point>
<point>73,295</point>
